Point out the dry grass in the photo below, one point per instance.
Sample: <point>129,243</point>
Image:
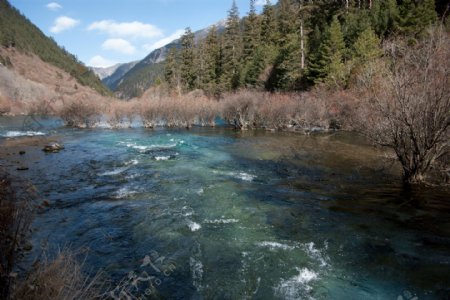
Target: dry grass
<point>60,278</point>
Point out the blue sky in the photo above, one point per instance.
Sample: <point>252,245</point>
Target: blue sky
<point>104,32</point>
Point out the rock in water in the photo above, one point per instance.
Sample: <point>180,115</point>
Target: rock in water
<point>22,168</point>
<point>53,148</point>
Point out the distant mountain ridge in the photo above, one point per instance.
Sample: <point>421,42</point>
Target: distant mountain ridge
<point>133,79</point>
<point>103,72</point>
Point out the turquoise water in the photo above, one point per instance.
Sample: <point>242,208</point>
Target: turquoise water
<point>218,214</point>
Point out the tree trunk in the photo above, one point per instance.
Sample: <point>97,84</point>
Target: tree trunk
<point>302,45</point>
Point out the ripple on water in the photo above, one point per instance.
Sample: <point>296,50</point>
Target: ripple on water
<point>238,175</point>
<point>13,133</point>
<point>276,245</point>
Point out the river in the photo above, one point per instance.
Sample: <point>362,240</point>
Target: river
<point>212,213</point>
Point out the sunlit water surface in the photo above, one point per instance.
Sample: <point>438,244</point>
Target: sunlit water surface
<point>219,214</point>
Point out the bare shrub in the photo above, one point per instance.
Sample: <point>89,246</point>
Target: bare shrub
<point>60,278</point>
<point>15,217</point>
<point>81,113</point>
<point>240,110</point>
<point>42,107</point>
<point>5,106</point>
<point>184,111</point>
<point>406,103</point>
<point>120,113</point>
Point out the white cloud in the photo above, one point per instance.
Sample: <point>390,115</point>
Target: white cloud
<point>127,29</point>
<point>53,6</point>
<point>260,2</point>
<point>100,62</point>
<point>119,45</point>
<point>63,23</point>
<point>162,42</point>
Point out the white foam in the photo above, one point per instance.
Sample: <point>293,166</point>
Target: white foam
<point>276,245</point>
<point>124,193</point>
<point>221,221</point>
<point>22,133</point>
<point>295,287</point>
<point>194,226</point>
<point>245,176</point>
<point>238,175</point>
<point>200,191</point>
<point>150,147</point>
<point>162,158</point>
<point>314,253</point>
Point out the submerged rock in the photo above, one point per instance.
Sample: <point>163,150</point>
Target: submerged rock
<point>53,148</point>
<point>22,168</point>
<point>22,152</point>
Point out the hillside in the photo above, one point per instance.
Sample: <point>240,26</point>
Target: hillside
<point>146,72</point>
<point>114,79</point>
<point>32,86</point>
<point>17,32</point>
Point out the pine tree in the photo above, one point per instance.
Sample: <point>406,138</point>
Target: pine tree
<point>171,70</point>
<point>232,50</point>
<point>269,26</point>
<point>211,55</point>
<point>384,16</point>
<point>287,21</point>
<point>416,17</point>
<point>188,74</point>
<point>251,36</point>
<point>367,46</point>
<point>328,63</point>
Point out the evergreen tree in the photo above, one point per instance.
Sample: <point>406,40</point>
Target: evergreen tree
<point>415,17</point>
<point>171,70</point>
<point>328,63</point>
<point>232,50</point>
<point>384,16</point>
<point>211,55</point>
<point>287,22</point>
<point>188,74</point>
<point>367,46</point>
<point>251,37</point>
<point>269,26</point>
<point>287,69</point>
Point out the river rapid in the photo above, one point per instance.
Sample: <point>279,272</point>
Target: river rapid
<point>212,213</point>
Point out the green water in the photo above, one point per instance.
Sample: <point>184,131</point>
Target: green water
<point>218,214</point>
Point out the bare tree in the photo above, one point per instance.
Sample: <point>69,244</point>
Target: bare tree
<point>406,102</point>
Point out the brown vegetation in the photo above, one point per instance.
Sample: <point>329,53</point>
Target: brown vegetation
<point>58,278</point>
<point>406,103</point>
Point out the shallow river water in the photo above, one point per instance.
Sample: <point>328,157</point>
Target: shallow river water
<point>210,213</point>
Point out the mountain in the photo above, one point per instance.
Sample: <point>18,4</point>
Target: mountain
<point>104,72</point>
<point>17,32</point>
<point>113,79</point>
<point>146,72</point>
